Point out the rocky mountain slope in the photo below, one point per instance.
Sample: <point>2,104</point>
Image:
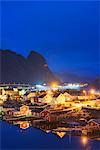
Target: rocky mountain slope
<point>16,68</point>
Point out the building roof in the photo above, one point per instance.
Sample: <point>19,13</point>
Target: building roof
<point>33,105</point>
<point>56,95</point>
<point>73,123</point>
<point>57,112</point>
<point>95,120</point>
<point>10,89</point>
<point>8,106</point>
<point>14,110</point>
<point>42,96</point>
<point>26,93</point>
<point>38,110</point>
<point>11,105</point>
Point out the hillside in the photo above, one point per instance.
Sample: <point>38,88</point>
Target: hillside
<point>16,68</point>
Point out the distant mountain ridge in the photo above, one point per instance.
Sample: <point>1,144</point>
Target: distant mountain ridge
<point>73,78</point>
<point>16,68</point>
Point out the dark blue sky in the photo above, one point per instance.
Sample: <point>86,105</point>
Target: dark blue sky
<point>65,33</point>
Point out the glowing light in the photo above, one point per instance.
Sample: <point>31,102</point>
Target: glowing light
<point>61,134</point>
<point>47,131</point>
<point>29,113</point>
<point>1,102</point>
<point>49,92</point>
<point>44,84</point>
<point>84,91</point>
<point>72,86</point>
<point>22,92</point>
<point>24,109</point>
<point>47,98</point>
<point>15,89</point>
<point>84,140</point>
<point>24,125</point>
<point>60,99</point>
<point>41,87</point>
<point>92,91</point>
<point>54,85</point>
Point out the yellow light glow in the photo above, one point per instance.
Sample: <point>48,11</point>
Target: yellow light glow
<point>61,134</point>
<point>84,91</point>
<point>15,89</point>
<point>24,109</point>
<point>92,91</point>
<point>49,92</point>
<point>84,140</point>
<point>54,85</point>
<point>24,125</point>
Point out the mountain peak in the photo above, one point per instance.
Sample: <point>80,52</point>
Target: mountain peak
<point>16,68</point>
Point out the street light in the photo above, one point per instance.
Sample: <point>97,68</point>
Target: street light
<point>54,85</point>
<point>92,91</point>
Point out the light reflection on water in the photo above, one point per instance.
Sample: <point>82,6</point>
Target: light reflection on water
<point>50,138</point>
<point>84,140</point>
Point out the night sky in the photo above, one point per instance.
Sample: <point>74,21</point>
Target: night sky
<point>65,33</point>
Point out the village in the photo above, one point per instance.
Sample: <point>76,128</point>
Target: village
<point>75,112</point>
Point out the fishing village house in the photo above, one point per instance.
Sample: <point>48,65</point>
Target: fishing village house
<point>41,98</point>
<point>31,94</point>
<point>68,97</point>
<point>8,107</point>
<point>3,98</point>
<point>37,112</point>
<point>63,99</point>
<point>51,115</point>
<point>34,99</point>
<point>47,99</point>
<point>12,93</point>
<point>93,123</point>
<point>37,99</point>
<point>54,97</point>
<point>97,103</point>
<point>24,110</point>
<point>60,99</point>
<point>14,113</point>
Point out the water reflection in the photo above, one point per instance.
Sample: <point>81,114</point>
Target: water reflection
<point>24,124</point>
<point>44,127</point>
<point>61,134</point>
<point>54,128</point>
<point>84,140</point>
<point>50,139</point>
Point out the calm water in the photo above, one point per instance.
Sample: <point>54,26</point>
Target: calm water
<point>12,137</point>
